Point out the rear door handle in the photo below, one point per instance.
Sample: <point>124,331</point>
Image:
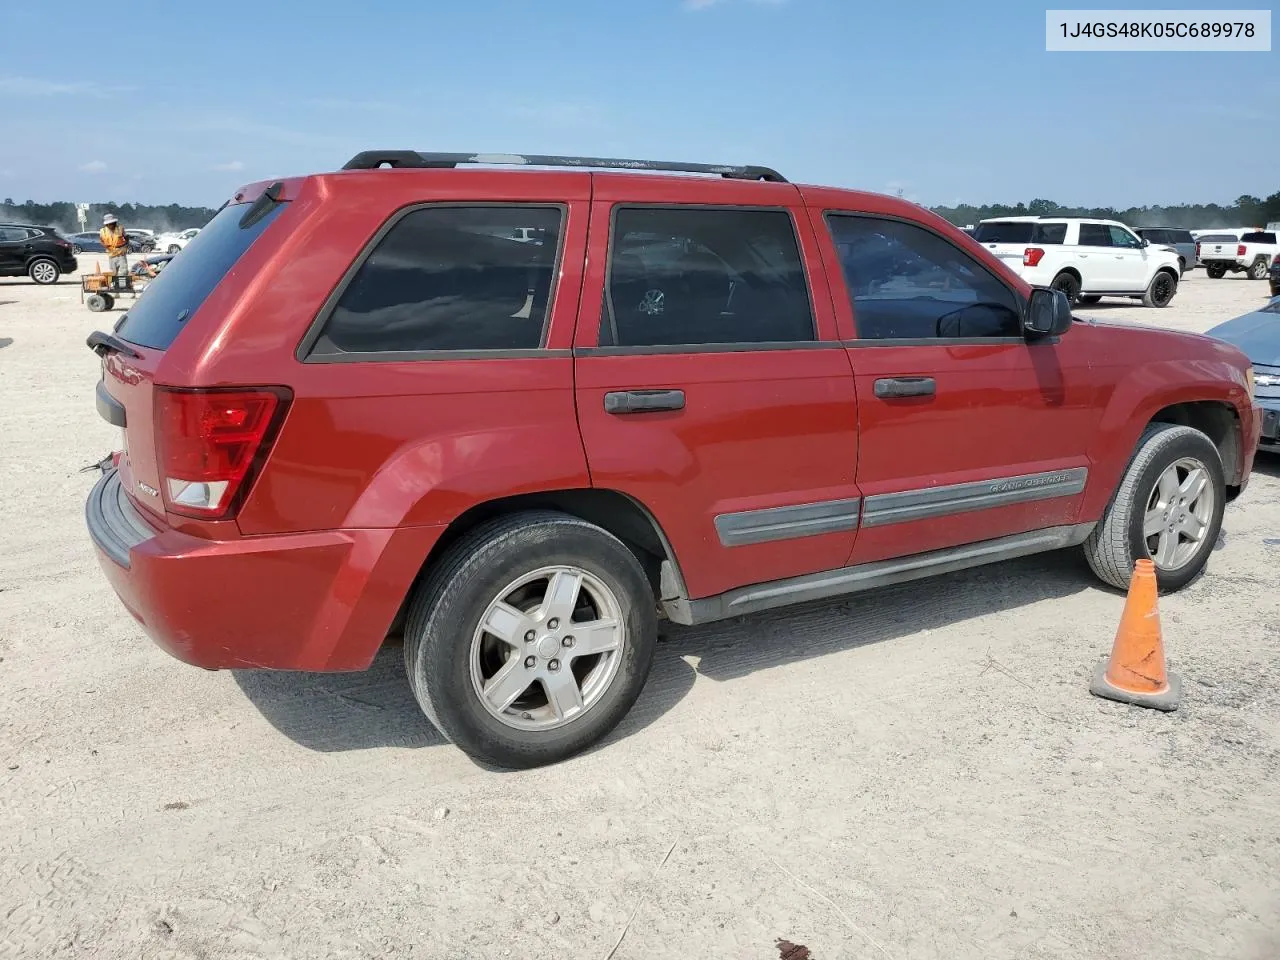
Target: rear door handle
<point>889,387</point>
<point>643,401</point>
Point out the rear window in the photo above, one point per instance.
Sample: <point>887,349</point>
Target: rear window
<point>1182,236</point>
<point>1020,231</point>
<point>1258,238</point>
<point>1218,238</point>
<point>157,318</point>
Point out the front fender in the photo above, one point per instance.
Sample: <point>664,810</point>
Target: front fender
<point>436,480</point>
<point>1143,392</point>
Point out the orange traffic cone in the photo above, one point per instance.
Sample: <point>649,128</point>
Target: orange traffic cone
<point>1135,673</point>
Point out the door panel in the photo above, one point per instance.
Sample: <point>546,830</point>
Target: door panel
<point>998,448</point>
<point>745,453</point>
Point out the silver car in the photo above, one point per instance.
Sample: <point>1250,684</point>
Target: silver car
<point>1178,240</point>
<point>1257,334</point>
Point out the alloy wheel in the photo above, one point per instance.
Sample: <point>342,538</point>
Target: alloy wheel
<point>1178,514</point>
<point>547,649</point>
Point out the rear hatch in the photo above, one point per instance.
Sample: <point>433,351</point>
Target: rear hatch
<point>1010,239</point>
<point>1218,246</point>
<point>133,352</point>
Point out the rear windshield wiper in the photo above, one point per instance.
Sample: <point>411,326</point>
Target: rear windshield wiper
<point>262,206</point>
<point>103,343</point>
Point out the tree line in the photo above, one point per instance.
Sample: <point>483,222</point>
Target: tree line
<point>62,215</point>
<point>1247,211</point>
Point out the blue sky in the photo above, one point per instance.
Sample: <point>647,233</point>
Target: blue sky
<point>946,101</point>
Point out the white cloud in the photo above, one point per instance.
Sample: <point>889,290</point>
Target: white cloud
<point>233,166</point>
<point>93,166</point>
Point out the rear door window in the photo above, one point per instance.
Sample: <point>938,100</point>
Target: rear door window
<point>1094,235</point>
<point>171,299</point>
<point>1049,233</point>
<point>701,276</point>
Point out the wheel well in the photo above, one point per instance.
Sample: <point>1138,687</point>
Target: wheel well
<point>623,516</point>
<point>1069,270</point>
<point>1217,421</point>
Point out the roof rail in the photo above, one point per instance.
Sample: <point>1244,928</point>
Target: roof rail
<point>372,159</point>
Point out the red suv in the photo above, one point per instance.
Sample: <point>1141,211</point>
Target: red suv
<point>516,415</point>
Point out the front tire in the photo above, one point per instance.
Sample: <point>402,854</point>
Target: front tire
<point>1258,271</point>
<point>1068,284</point>
<point>1168,509</point>
<point>531,638</point>
<point>43,272</point>
<point>96,302</point>
<point>1160,290</point>
<point>174,248</point>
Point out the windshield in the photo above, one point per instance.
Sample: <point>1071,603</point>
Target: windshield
<point>157,318</point>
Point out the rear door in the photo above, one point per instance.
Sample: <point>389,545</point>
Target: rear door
<point>711,387</point>
<point>1100,269</point>
<point>11,242</point>
<point>149,328</point>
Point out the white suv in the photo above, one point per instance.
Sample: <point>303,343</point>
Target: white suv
<point>1085,259</point>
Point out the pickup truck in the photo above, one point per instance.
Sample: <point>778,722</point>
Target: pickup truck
<point>1252,253</point>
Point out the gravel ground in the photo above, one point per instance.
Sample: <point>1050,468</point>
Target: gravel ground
<point>916,773</point>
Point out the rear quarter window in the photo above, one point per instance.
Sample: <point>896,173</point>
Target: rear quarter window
<point>1269,238</point>
<point>173,297</point>
<point>1005,231</point>
<point>449,278</point>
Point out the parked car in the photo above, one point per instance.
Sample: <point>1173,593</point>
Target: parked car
<point>1085,259</point>
<point>1273,277</point>
<point>1252,252</point>
<point>140,241</point>
<point>1177,240</point>
<point>40,253</point>
<point>86,243</point>
<point>354,409</point>
<point>1257,334</point>
<point>174,242</point>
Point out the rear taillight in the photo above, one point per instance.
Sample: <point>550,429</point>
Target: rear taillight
<point>212,443</point>
<point>1197,251</point>
<point>1031,256</point>
<point>1240,250</point>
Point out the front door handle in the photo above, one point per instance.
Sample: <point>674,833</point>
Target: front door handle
<point>890,387</point>
<point>643,401</point>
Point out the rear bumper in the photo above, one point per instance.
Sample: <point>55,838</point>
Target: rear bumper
<point>305,601</point>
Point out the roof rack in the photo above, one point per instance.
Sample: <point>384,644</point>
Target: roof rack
<point>372,159</point>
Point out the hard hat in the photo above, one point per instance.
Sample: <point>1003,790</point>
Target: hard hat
<point>108,219</point>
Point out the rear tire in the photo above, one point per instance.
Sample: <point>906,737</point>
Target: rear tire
<point>1120,538</point>
<point>1215,273</point>
<point>1068,284</point>
<point>43,271</point>
<point>501,573</point>
<point>174,248</point>
<point>1161,289</point>
<point>1258,271</point>
<point>1090,299</point>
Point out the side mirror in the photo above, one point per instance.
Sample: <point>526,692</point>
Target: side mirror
<point>1047,314</point>
<point>1146,242</point>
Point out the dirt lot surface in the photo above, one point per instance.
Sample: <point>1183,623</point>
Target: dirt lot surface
<point>915,773</point>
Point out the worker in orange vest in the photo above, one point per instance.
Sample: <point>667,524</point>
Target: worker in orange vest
<point>116,243</point>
